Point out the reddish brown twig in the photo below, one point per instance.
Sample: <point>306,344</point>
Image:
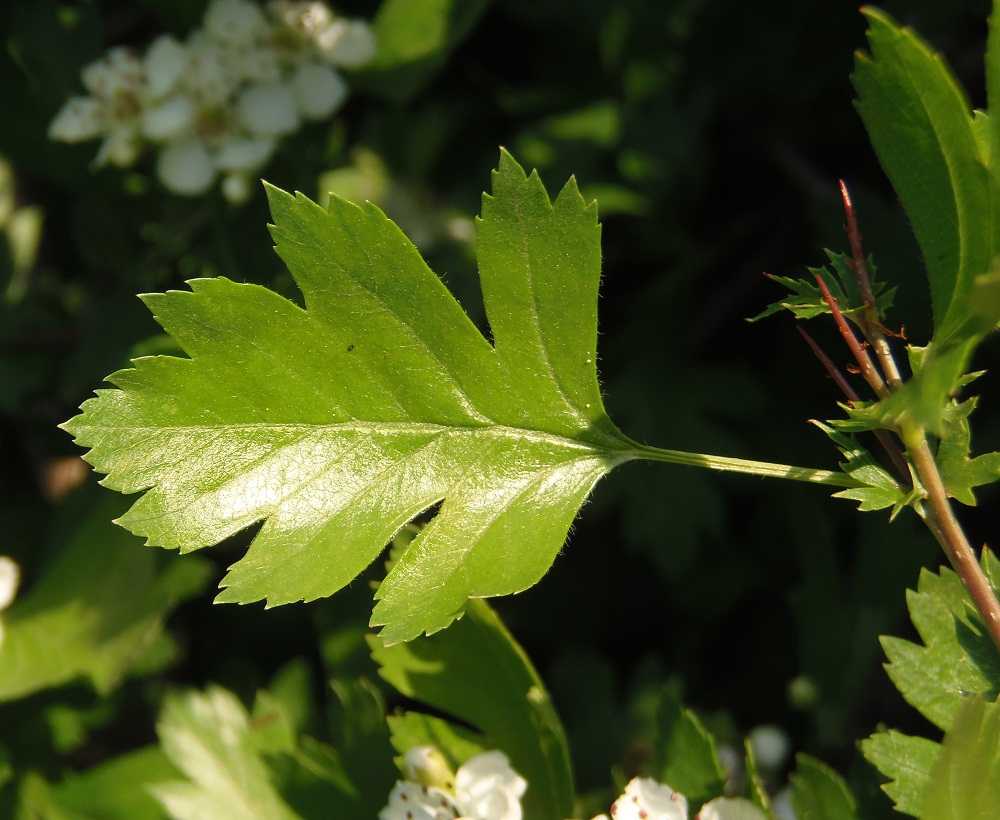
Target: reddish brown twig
<point>864,361</point>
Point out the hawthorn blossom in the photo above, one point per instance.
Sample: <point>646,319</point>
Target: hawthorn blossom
<point>217,104</point>
<point>484,788</point>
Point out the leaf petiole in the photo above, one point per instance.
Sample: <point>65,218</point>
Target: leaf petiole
<point>765,469</point>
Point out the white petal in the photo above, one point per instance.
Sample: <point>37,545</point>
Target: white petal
<point>488,766</point>
<point>164,64</point>
<point>268,110</point>
<point>80,118</point>
<point>10,577</point>
<point>730,808</point>
<point>318,91</point>
<point>185,168</point>
<point>234,22</point>
<point>243,155</point>
<point>347,43</point>
<point>301,16</point>
<point>169,120</point>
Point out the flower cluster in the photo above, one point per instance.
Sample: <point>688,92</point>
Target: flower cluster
<point>218,103</point>
<point>484,788</point>
<point>645,798</point>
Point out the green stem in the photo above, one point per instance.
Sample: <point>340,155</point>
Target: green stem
<point>765,469</point>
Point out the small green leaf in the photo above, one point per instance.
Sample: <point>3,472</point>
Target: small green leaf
<point>878,488</point>
<point>936,677</point>
<point>965,781</point>
<point>685,752</point>
<point>337,424</point>
<point>807,300</point>
<point>819,793</point>
<point>906,760</point>
<point>960,473</point>
<point>208,737</point>
<point>476,672</point>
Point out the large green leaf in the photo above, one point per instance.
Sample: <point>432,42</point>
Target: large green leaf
<point>338,423</point>
<point>95,611</point>
<point>920,124</point>
<point>476,672</point>
<point>922,128</point>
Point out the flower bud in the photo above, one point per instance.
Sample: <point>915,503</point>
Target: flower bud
<point>426,765</point>
<point>770,746</point>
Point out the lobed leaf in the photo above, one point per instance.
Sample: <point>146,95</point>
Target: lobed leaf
<point>338,423</point>
<point>685,754</point>
<point>906,760</point>
<point>956,658</point>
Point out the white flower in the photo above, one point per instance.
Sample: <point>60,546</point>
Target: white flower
<point>234,22</point>
<point>267,110</point>
<point>169,120</point>
<point>318,91</point>
<point>258,64</point>
<point>645,799</point>
<point>80,118</point>
<point>304,18</point>
<point>346,43</point>
<point>487,788</point>
<point>770,746</point>
<point>186,168</point>
<point>730,808</point>
<point>411,801</point>
<point>10,577</point>
<point>164,65</point>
